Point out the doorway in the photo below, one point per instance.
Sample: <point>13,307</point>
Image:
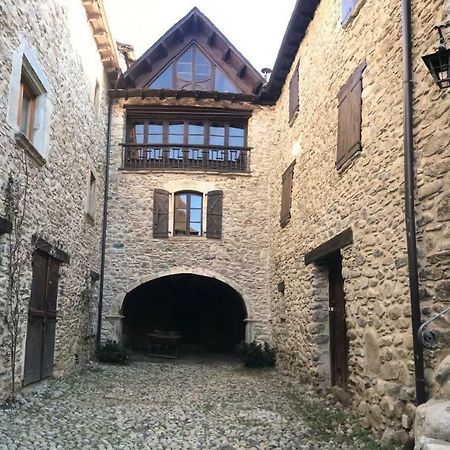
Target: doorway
<point>40,343</point>
<point>207,314</point>
<point>338,325</point>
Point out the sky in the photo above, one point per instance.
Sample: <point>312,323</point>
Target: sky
<point>254,27</point>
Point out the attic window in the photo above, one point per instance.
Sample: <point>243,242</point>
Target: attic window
<point>193,71</point>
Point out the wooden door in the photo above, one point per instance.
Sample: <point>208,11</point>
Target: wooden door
<point>40,342</point>
<point>338,326</point>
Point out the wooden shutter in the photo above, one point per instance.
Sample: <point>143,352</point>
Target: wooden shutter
<point>286,194</point>
<point>349,117</point>
<point>214,215</point>
<point>161,213</point>
<point>293,94</point>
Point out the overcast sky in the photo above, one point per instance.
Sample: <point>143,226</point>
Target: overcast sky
<point>254,27</point>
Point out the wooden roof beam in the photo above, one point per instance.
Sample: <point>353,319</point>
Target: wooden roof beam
<point>212,39</point>
<point>227,55</point>
<point>179,35</point>
<point>242,71</point>
<point>99,32</point>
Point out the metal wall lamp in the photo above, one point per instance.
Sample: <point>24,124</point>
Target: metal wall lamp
<point>438,63</point>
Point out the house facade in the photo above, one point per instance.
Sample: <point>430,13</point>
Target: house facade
<point>53,122</point>
<point>339,250</point>
<point>236,209</point>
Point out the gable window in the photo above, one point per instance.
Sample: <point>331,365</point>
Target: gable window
<point>349,117</point>
<point>286,194</point>
<point>188,214</point>
<point>187,209</point>
<point>193,71</point>
<point>294,95</point>
<point>186,144</point>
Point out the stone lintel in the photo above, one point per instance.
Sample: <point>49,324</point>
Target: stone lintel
<point>336,243</point>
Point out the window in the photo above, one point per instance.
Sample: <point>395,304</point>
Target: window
<point>187,209</point>
<point>193,71</point>
<point>186,144</point>
<point>293,95</point>
<point>29,105</point>
<point>349,117</point>
<point>286,194</point>
<point>348,8</point>
<point>26,110</point>
<point>188,214</point>
<point>92,195</point>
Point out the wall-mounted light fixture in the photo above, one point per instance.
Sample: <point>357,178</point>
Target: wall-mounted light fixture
<point>438,63</point>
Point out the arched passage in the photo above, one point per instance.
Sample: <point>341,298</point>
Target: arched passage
<point>207,313</point>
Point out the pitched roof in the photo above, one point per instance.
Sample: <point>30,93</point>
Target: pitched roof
<point>195,26</point>
<point>300,19</point>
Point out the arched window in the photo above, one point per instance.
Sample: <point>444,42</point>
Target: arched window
<point>188,215</point>
<point>193,71</point>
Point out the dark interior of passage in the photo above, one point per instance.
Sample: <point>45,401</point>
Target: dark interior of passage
<point>207,313</point>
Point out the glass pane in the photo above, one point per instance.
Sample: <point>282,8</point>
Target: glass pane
<point>176,132</point>
<point>180,229</point>
<point>196,201</point>
<point>196,133</point>
<point>184,66</point>
<point>202,66</point>
<point>155,133</point>
<point>176,153</point>
<point>164,81</point>
<point>195,229</point>
<point>25,113</point>
<point>217,134</point>
<point>223,84</point>
<point>180,215</point>
<point>196,215</point>
<point>237,136</point>
<point>180,201</point>
<point>136,133</point>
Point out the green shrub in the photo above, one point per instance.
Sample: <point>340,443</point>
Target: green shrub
<point>256,354</point>
<point>112,352</point>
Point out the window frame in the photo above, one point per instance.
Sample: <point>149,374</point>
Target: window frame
<point>26,68</point>
<point>189,194</point>
<point>177,81</point>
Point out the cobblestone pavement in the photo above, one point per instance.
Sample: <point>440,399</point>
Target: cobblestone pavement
<point>188,404</point>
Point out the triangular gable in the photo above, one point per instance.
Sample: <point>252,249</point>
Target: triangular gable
<point>194,33</point>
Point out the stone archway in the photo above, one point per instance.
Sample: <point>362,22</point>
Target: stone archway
<point>113,319</point>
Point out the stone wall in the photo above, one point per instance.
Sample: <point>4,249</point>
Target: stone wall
<point>367,195</point>
<point>240,258</point>
<point>58,39</point>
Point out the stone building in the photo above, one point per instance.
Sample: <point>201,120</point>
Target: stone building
<point>239,209</point>
<point>53,133</point>
<point>341,310</point>
<point>188,198</point>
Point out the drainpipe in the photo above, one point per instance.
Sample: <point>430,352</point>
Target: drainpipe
<point>410,219</point>
<point>104,227</point>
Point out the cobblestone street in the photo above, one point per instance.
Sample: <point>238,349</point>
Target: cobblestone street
<point>188,404</point>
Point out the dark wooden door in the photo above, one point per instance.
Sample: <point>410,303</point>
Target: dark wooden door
<point>40,342</point>
<point>338,326</point>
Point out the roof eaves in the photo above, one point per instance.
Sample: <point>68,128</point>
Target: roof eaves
<point>301,17</point>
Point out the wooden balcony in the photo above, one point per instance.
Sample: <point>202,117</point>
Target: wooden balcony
<point>185,157</point>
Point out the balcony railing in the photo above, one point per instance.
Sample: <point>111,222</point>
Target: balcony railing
<point>185,157</point>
